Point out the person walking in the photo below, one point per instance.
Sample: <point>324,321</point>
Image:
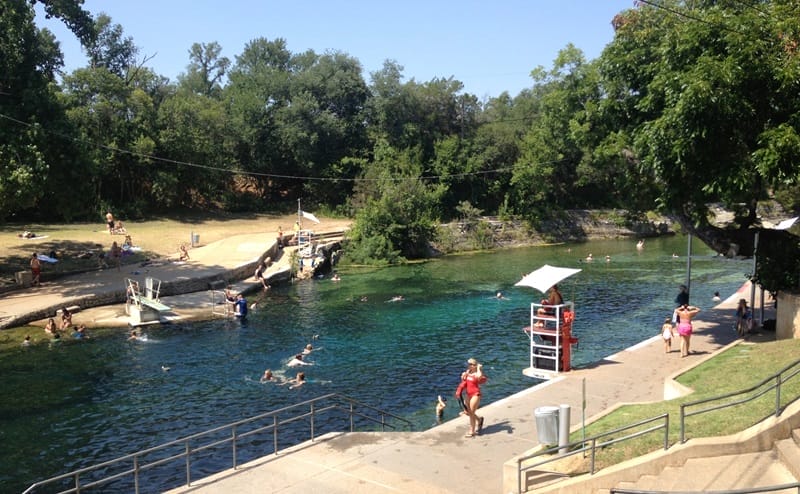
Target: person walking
<point>685,313</point>
<point>667,333</point>
<point>680,300</point>
<point>471,380</point>
<point>36,270</point>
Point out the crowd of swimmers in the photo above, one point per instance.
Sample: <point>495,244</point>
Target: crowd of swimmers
<point>298,360</point>
<point>56,330</point>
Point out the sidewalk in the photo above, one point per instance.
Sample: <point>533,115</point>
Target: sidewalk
<point>442,460</point>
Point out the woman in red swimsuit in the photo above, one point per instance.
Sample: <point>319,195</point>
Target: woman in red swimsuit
<point>471,380</point>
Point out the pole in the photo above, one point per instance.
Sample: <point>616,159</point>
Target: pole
<point>752,283</point>
<point>689,266</point>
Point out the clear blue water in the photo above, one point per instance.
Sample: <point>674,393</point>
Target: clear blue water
<point>85,402</point>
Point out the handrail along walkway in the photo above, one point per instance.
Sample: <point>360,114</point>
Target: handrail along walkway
<point>777,380</point>
<point>136,463</point>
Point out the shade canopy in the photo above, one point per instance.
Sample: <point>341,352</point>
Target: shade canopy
<point>545,277</point>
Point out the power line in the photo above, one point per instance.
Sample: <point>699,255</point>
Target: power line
<point>259,174</point>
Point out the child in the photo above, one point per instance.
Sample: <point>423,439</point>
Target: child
<point>441,403</point>
<point>667,332</point>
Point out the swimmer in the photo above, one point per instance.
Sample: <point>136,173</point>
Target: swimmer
<point>364,298</point>
<point>500,296</point>
<point>133,336</point>
<point>608,258</point>
<point>308,349</point>
<point>27,340</point>
<point>589,258</point>
<point>268,376</point>
<point>441,403</point>
<point>396,298</point>
<point>298,381</point>
<point>297,361</point>
<point>716,297</point>
<point>336,277</point>
<point>640,244</point>
<point>165,368</point>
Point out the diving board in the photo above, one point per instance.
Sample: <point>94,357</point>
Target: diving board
<point>144,308</point>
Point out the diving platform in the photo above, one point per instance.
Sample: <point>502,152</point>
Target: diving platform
<point>144,306</point>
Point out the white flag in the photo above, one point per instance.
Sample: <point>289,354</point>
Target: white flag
<point>310,216</point>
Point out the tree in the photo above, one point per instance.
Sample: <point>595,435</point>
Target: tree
<point>710,90</point>
<point>30,116</point>
<point>397,212</point>
<point>206,69</point>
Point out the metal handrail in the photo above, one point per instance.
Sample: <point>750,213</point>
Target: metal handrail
<point>776,379</point>
<point>594,444</point>
<point>191,444</point>
<point>747,490</point>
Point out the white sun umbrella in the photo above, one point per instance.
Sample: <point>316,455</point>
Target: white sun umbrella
<point>545,277</point>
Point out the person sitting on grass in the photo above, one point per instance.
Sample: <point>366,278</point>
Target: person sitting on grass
<point>184,254</point>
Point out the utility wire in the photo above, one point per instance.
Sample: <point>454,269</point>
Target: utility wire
<point>267,175</point>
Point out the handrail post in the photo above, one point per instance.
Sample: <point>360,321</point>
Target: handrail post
<point>352,422</point>
<point>777,395</point>
<point>78,483</point>
<point>594,447</point>
<point>275,434</point>
<point>666,431</point>
<point>683,424</point>
<point>136,474</point>
<point>188,464</point>
<point>233,445</point>
<point>312,421</point>
<point>519,475</point>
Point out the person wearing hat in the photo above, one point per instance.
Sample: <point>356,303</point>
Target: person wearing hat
<point>471,379</point>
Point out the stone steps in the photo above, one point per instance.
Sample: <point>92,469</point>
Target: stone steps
<point>780,465</point>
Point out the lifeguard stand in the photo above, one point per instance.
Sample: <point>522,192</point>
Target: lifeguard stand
<point>550,339</point>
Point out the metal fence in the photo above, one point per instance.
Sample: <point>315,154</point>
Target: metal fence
<point>591,445</point>
<point>774,382</point>
<point>331,409</point>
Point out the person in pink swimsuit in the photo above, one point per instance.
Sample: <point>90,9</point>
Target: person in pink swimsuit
<point>685,314</point>
<point>471,380</point>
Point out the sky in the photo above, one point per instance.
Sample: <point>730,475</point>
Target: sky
<point>490,46</point>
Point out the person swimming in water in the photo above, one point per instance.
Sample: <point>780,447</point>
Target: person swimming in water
<point>297,361</point>
<point>298,381</point>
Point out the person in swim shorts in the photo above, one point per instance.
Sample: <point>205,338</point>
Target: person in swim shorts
<point>685,313</point>
<point>471,380</point>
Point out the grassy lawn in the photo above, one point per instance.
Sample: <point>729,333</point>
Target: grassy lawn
<point>738,368</point>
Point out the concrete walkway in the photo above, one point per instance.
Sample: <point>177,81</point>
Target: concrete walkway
<point>442,460</point>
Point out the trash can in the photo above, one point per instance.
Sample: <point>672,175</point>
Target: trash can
<point>547,424</point>
<point>195,239</point>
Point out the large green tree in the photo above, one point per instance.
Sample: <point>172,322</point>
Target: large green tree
<point>33,149</point>
<point>710,92</point>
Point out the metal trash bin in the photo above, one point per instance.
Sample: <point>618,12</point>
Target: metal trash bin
<point>547,424</point>
<point>195,239</point>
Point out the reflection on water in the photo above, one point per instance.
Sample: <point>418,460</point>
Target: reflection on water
<point>89,401</point>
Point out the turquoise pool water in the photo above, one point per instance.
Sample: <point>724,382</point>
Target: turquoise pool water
<point>84,402</point>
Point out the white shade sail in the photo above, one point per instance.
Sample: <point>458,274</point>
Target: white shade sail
<point>545,277</point>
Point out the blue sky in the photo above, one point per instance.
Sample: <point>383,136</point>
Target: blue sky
<point>489,46</point>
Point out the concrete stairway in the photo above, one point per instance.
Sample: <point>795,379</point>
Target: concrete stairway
<point>780,465</point>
